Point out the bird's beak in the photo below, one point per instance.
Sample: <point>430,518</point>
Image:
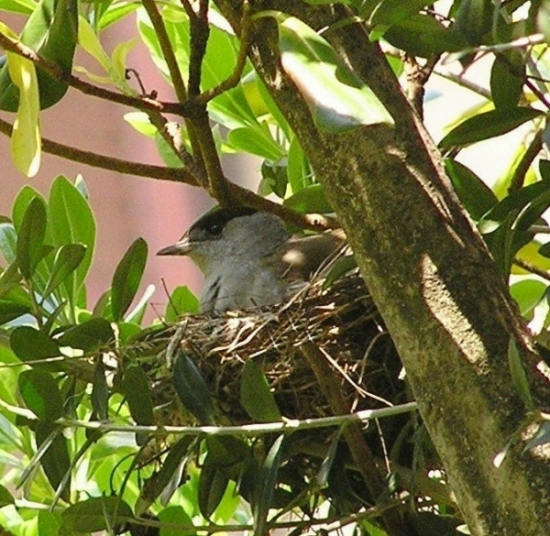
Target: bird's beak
<point>183,247</point>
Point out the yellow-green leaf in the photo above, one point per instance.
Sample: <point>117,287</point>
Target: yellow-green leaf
<point>25,138</point>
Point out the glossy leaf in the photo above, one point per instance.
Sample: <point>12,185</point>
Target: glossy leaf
<point>507,79</point>
<point>95,514</point>
<point>127,278</point>
<point>527,293</point>
<point>255,396</point>
<point>181,301</point>
<point>29,344</point>
<point>266,485</point>
<point>192,390</point>
<point>71,221</point>
<point>519,378</point>
<point>66,261</point>
<point>488,125</point>
<point>30,239</point>
<point>251,140</point>
<point>55,461</point>
<point>88,336</point>
<point>136,388</point>
<point>474,194</point>
<point>41,394</point>
<point>338,99</point>
<point>51,31</point>
<point>168,478</point>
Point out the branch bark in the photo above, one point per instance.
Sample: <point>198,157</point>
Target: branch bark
<point>428,269</point>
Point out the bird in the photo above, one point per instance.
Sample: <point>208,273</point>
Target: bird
<point>248,257</point>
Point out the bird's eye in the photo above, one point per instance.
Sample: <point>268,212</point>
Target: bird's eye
<point>216,229</point>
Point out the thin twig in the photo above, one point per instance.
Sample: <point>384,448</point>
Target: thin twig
<point>141,103</point>
<point>531,268</point>
<point>359,450</point>
<point>315,222</point>
<point>532,151</point>
<point>248,430</point>
<point>235,77</point>
<point>166,48</point>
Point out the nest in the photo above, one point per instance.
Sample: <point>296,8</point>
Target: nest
<point>340,319</point>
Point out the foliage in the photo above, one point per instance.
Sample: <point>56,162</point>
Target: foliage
<point>58,349</point>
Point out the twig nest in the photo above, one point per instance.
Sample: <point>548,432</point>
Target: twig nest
<point>340,319</point>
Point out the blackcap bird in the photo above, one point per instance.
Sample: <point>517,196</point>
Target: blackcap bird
<point>248,257</point>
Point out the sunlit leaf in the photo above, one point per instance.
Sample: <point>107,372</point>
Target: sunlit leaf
<point>181,301</point>
<point>309,199</point>
<point>488,125</point>
<point>338,99</point>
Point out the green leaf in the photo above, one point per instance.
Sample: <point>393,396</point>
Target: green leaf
<point>94,515</point>
<point>474,194</point>
<point>181,301</point>
<point>10,311</point>
<point>66,261</point>
<point>5,497</point>
<point>41,394</point>
<point>256,141</point>
<point>213,481</point>
<point>507,79</point>
<point>265,489</point>
<point>30,240</point>
<point>422,35</point>
<point>71,222</point>
<point>488,125</point>
<point>309,199</point>
<point>127,278</point>
<point>51,31</point>
<point>8,242</point>
<point>338,99</point>
<point>137,390</point>
<point>55,461</point>
<point>25,137</point>
<point>29,344</point>
<point>23,7</point>
<point>390,12</point>
<point>168,478</point>
<point>173,516</point>
<point>100,392</point>
<point>473,20</point>
<point>88,336</point>
<point>527,293</point>
<point>256,397</point>
<point>191,389</point>
<point>519,378</point>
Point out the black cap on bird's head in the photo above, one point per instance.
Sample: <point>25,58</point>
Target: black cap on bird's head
<point>207,227</point>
